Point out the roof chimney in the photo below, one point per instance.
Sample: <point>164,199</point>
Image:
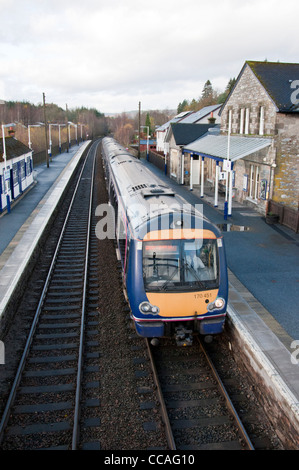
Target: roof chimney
<point>211,119</point>
<point>11,132</point>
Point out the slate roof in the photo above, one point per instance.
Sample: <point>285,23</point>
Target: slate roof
<point>176,118</point>
<point>216,146</point>
<point>197,115</point>
<point>186,133</point>
<point>14,148</point>
<point>276,78</point>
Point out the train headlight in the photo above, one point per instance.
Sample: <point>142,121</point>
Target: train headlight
<point>146,307</point>
<point>218,304</point>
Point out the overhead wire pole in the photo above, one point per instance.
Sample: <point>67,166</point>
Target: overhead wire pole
<point>46,135</point>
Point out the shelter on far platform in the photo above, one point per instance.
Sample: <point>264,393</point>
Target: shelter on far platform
<point>16,170</point>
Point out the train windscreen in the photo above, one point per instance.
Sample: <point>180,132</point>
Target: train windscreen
<point>180,265</point>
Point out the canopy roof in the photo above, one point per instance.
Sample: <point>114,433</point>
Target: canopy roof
<point>215,146</point>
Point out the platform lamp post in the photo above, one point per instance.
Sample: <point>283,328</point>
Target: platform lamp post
<point>81,126</point>
<point>6,171</point>
<point>69,129</point>
<point>50,141</point>
<point>29,137</point>
<point>59,135</point>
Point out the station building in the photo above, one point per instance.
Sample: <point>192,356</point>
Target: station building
<point>257,147</point>
<point>16,170</point>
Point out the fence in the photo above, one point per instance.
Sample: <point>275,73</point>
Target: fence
<point>287,216</point>
<point>158,160</point>
<point>40,157</point>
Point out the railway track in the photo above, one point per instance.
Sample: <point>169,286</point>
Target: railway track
<point>197,411</point>
<point>51,401</point>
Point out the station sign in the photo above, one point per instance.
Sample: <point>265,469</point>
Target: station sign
<point>227,165</point>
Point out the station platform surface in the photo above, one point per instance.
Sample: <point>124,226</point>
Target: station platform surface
<point>262,261</point>
<point>24,206</point>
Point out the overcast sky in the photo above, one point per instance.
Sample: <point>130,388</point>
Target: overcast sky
<point>111,54</point>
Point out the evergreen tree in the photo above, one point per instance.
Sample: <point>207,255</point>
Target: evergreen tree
<point>207,91</point>
<point>230,85</point>
<point>148,123</point>
<point>182,106</point>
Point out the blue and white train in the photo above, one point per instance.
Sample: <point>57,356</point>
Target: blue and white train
<point>173,258</point>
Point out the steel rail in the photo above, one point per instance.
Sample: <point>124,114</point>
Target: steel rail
<point>17,379</point>
<point>76,427</point>
<point>227,398</point>
<point>169,434</point>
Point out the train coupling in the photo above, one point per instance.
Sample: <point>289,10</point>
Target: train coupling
<point>183,336</point>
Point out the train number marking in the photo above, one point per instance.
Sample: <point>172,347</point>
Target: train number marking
<point>205,295</point>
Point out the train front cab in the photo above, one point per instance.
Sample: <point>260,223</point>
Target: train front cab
<point>177,284</point>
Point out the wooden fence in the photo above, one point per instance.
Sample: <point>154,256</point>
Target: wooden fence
<point>158,160</point>
<point>287,216</point>
<point>40,157</point>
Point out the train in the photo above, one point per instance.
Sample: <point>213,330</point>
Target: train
<point>172,257</point>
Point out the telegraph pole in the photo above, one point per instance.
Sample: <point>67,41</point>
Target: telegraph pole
<point>46,136</point>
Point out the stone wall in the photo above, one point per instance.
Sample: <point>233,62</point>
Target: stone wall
<point>249,93</point>
<point>286,189</point>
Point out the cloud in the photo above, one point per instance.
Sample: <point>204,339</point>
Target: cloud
<point>114,54</point>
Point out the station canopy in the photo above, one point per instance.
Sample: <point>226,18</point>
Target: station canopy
<point>215,146</point>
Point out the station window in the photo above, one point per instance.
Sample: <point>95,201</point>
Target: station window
<point>22,169</point>
<point>15,173</point>
<point>262,120</point>
<point>242,113</point>
<point>28,166</point>
<point>247,121</point>
<point>254,182</point>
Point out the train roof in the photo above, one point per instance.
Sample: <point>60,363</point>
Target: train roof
<point>143,194</point>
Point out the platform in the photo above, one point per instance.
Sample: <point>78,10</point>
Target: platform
<point>23,227</point>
